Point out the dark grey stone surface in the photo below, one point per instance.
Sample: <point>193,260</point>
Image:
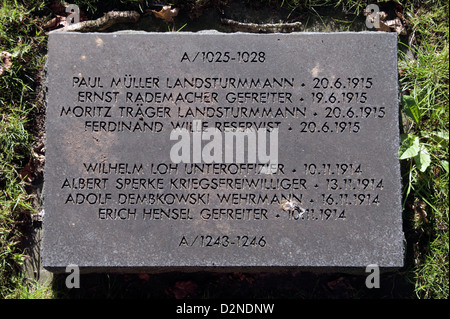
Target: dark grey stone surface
<point>334,201</point>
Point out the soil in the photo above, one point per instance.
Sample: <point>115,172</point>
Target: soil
<point>212,285</point>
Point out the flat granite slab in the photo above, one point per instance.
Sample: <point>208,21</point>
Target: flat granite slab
<point>194,151</point>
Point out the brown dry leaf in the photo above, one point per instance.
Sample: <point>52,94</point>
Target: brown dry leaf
<point>397,25</point>
<point>243,277</point>
<point>25,173</point>
<point>166,13</point>
<point>144,277</point>
<point>56,22</point>
<point>383,27</point>
<point>184,289</point>
<point>419,211</point>
<point>33,168</point>
<point>381,16</point>
<point>339,284</point>
<point>60,20</point>
<point>6,63</point>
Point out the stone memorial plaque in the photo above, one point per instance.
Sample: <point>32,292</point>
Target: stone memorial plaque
<point>193,151</point>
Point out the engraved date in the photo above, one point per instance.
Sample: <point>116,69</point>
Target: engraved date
<point>332,169</point>
<point>343,83</point>
<point>317,214</point>
<point>332,127</point>
<point>344,199</point>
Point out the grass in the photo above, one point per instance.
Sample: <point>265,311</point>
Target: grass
<point>21,36</point>
<point>424,77</point>
<point>423,70</point>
